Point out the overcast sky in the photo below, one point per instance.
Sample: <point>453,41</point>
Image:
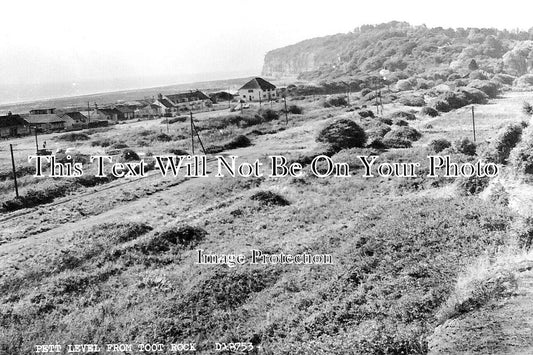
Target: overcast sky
<point>72,41</point>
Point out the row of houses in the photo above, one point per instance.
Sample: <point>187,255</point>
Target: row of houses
<point>51,119</point>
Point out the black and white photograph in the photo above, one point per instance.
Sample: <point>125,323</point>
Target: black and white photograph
<point>266,178</point>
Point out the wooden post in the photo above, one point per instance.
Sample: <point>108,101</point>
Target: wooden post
<point>14,170</point>
<point>192,135</point>
<point>88,114</point>
<point>36,142</point>
<point>199,139</point>
<point>286,112</point>
<point>473,124</point>
<point>260,100</point>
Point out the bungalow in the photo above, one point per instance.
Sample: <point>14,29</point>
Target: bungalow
<point>150,110</point>
<point>258,89</point>
<point>191,100</point>
<point>13,126</point>
<point>128,112</point>
<point>108,114</point>
<point>46,122</point>
<point>75,120</point>
<point>165,106</point>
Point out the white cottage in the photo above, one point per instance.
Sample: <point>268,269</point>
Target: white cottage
<point>258,89</point>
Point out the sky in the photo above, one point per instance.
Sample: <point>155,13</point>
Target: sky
<point>135,43</point>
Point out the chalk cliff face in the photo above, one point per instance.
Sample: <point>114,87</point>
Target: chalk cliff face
<point>306,56</point>
<point>404,51</point>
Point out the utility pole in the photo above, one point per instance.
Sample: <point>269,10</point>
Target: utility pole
<point>88,113</point>
<point>259,99</point>
<point>36,142</point>
<point>473,124</point>
<point>286,112</point>
<point>14,170</point>
<point>192,135</point>
<point>199,139</point>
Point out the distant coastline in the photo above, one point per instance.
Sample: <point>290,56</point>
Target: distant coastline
<point>110,95</point>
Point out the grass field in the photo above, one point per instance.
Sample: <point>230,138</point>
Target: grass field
<point>114,262</point>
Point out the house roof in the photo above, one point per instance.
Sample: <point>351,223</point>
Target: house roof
<point>12,120</point>
<point>44,118</point>
<point>164,102</point>
<point>125,109</point>
<point>197,94</point>
<point>258,83</point>
<point>151,106</point>
<point>76,116</point>
<point>109,111</point>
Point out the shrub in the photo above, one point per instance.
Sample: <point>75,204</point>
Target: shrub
<point>412,100</point>
<point>72,137</point>
<point>129,155</point>
<point>365,92</point>
<point>404,114</point>
<point>524,81</point>
<point>294,109</point>
<point>499,195</point>
<point>403,133</point>
<point>185,235</point>
<point>441,105</point>
<point>500,148</point>
<point>270,198</point>
<point>387,121</point>
<point>163,137</point>
<point>341,134</point>
<point>241,141</point>
<point>268,114</point>
<point>522,230</point>
<point>404,85</point>
<point>465,146</point>
<point>527,109</point>
<point>522,155</point>
<point>177,151</point>
<point>472,185</point>
<point>119,145</point>
<point>399,122</point>
<point>336,101</point>
<point>438,145</point>
<point>456,99</point>
<point>505,79</point>
<point>490,88</point>
<point>396,143</point>
<point>474,96</point>
<point>378,132</point>
<point>429,111</point>
<point>366,113</point>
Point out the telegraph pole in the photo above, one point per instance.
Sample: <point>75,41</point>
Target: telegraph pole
<point>14,170</point>
<point>192,134</point>
<point>473,124</point>
<point>36,142</point>
<point>286,112</point>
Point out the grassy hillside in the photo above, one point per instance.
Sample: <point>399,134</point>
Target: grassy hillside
<point>406,52</point>
<point>115,262</point>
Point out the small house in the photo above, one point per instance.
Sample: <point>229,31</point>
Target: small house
<point>13,126</point>
<point>75,120</point>
<point>46,122</point>
<point>190,100</point>
<point>166,107</point>
<point>258,89</point>
<point>150,111</point>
